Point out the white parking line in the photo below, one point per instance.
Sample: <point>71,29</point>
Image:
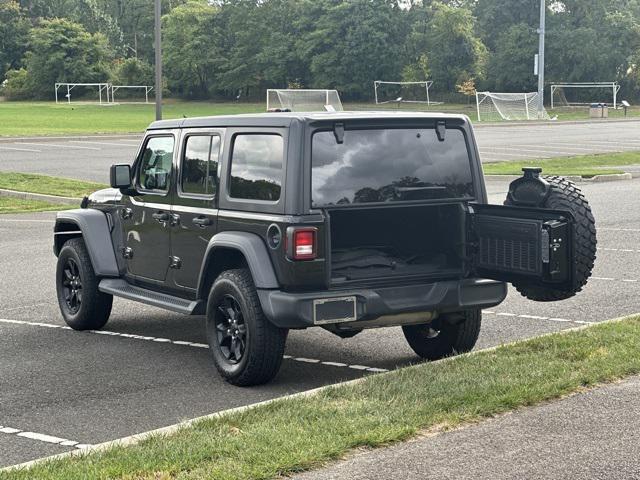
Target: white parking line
<point>21,149</point>
<point>187,344</point>
<point>605,229</point>
<point>611,279</point>
<point>625,250</point>
<point>537,317</point>
<point>22,220</point>
<point>58,146</point>
<point>110,144</point>
<point>41,437</point>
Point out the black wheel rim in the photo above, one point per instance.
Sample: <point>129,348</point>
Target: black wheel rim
<point>72,286</point>
<point>231,329</point>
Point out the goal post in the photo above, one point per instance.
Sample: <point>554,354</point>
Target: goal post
<point>403,92</point>
<point>146,88</point>
<point>560,88</point>
<point>103,90</point>
<point>492,106</point>
<point>303,100</point>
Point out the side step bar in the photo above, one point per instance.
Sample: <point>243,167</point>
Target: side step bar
<point>121,288</point>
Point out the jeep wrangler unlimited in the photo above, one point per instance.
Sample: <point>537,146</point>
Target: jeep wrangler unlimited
<point>347,221</point>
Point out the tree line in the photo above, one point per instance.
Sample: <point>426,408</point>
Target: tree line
<point>230,49</point>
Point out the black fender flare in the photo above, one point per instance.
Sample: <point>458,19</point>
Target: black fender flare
<point>95,229</point>
<point>255,252</point>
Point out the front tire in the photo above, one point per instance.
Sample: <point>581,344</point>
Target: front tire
<point>446,336</point>
<point>247,349</point>
<point>82,305</point>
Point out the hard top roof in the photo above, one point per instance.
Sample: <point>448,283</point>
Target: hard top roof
<point>284,119</point>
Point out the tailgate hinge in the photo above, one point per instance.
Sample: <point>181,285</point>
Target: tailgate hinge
<point>441,129</point>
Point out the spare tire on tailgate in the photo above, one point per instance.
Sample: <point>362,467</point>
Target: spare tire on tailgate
<point>559,194</point>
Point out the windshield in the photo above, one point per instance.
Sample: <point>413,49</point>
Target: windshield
<point>386,165</point>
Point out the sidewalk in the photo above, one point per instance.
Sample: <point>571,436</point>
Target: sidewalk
<point>594,435</point>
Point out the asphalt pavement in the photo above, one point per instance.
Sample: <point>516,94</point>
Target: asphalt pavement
<point>594,435</point>
<point>151,368</point>
<point>89,158</point>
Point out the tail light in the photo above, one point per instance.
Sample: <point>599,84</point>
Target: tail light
<point>302,243</point>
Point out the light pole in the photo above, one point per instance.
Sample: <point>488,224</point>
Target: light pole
<point>541,32</point>
<point>158,42</point>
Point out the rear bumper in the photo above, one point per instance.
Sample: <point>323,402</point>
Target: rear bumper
<point>295,310</point>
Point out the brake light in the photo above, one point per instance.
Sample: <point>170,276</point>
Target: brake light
<point>303,243</point>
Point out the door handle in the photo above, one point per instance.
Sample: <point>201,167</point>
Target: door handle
<point>161,217</point>
<point>202,221</point>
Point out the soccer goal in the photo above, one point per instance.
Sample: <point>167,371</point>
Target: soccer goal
<point>403,92</point>
<point>303,100</point>
<point>131,90</point>
<point>508,106</point>
<point>87,92</point>
<point>559,93</point>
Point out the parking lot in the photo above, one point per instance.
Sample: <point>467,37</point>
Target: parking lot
<point>61,389</point>
<point>89,158</point>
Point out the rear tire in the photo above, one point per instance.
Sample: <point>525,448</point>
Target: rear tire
<point>247,348</point>
<point>565,195</point>
<point>82,305</point>
<point>446,336</point>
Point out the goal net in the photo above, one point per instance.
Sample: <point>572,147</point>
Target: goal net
<point>131,93</point>
<point>578,94</point>
<point>508,106</point>
<point>303,100</point>
<point>403,92</point>
<point>83,92</point>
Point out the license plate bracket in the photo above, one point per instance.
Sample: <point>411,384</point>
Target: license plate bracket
<point>334,310</point>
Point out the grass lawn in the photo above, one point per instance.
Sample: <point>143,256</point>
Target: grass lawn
<point>291,435</point>
<point>33,183</point>
<point>49,118</point>
<point>584,165</point>
<point>18,205</point>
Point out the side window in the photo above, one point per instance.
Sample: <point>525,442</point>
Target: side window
<point>155,167</point>
<point>256,167</point>
<point>200,165</point>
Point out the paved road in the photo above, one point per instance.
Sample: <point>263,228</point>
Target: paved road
<point>90,388</point>
<point>595,435</point>
<point>90,158</point>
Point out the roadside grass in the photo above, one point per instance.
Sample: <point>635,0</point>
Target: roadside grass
<point>49,118</point>
<point>34,183</point>
<point>584,165</point>
<point>18,205</point>
<point>296,434</point>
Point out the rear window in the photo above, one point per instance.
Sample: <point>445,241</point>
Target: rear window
<point>386,165</point>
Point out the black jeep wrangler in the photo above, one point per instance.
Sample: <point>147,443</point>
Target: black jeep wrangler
<point>346,221</point>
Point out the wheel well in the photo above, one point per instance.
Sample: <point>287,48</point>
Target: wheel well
<point>219,260</point>
<point>64,231</point>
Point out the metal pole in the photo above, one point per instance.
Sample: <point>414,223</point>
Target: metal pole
<point>541,32</point>
<point>158,41</point>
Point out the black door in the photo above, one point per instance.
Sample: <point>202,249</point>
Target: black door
<point>194,207</point>
<point>147,217</point>
<point>524,246</point>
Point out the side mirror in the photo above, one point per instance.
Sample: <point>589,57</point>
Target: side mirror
<point>120,176</point>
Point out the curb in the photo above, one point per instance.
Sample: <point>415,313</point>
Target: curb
<point>530,123</point>
<point>39,196</point>
<point>614,177</point>
<point>48,138</point>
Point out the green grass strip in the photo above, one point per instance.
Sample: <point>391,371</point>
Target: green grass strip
<point>34,183</point>
<point>291,435</point>
<point>18,205</point>
<point>585,165</point>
